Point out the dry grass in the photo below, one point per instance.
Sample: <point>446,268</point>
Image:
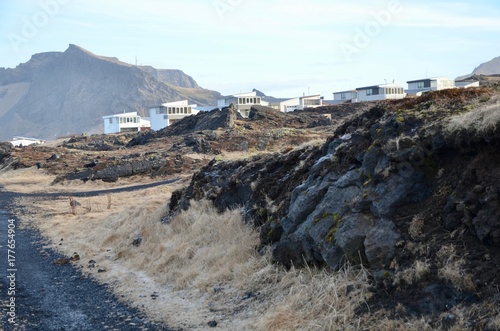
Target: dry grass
<point>452,269</point>
<point>34,180</point>
<point>417,272</point>
<point>26,180</point>
<point>416,228</point>
<point>202,266</point>
<point>313,299</point>
<point>475,124</point>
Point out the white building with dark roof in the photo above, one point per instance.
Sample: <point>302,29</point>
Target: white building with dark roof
<point>381,92</point>
<point>419,86</point>
<point>350,96</point>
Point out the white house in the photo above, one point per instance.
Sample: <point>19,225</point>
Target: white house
<point>301,103</point>
<point>467,84</point>
<point>243,102</point>
<point>381,92</point>
<point>168,113</point>
<point>23,141</point>
<point>125,122</point>
<point>311,101</point>
<point>417,87</point>
<point>345,97</point>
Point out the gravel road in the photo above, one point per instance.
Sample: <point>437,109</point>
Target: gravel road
<point>43,296</point>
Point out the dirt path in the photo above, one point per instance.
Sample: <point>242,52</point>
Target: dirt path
<point>41,295</point>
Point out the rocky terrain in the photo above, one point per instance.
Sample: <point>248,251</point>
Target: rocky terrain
<point>177,150</point>
<point>60,93</point>
<point>405,184</point>
<point>407,188</point>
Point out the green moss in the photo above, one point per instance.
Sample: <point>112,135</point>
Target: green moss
<point>336,219</point>
<point>375,143</point>
<point>399,117</point>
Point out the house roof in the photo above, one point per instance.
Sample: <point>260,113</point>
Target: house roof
<point>25,138</point>
<point>311,96</point>
<point>349,91</point>
<point>122,115</point>
<point>247,94</point>
<point>380,85</point>
<point>428,79</point>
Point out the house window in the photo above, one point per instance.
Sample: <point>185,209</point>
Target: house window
<point>369,92</point>
<point>420,84</point>
<point>343,96</point>
<point>165,117</point>
<point>110,121</point>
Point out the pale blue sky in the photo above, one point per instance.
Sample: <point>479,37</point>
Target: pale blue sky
<point>284,48</point>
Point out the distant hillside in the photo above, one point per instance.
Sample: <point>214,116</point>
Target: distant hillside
<point>59,93</point>
<point>486,69</point>
<point>489,68</point>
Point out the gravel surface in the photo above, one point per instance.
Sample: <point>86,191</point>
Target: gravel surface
<point>54,297</point>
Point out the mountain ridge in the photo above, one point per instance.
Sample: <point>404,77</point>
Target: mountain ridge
<point>59,93</point>
<point>488,68</point>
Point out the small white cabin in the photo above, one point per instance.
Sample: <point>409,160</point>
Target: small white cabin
<point>125,122</point>
<point>168,113</point>
<point>345,97</point>
<point>23,141</point>
<point>381,92</point>
<point>243,102</point>
<point>417,87</point>
<point>300,103</point>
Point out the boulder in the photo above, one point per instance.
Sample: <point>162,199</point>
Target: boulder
<point>380,244</point>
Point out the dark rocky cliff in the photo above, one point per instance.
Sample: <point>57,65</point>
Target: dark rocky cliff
<point>392,186</point>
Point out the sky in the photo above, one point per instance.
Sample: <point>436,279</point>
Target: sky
<point>283,48</point>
